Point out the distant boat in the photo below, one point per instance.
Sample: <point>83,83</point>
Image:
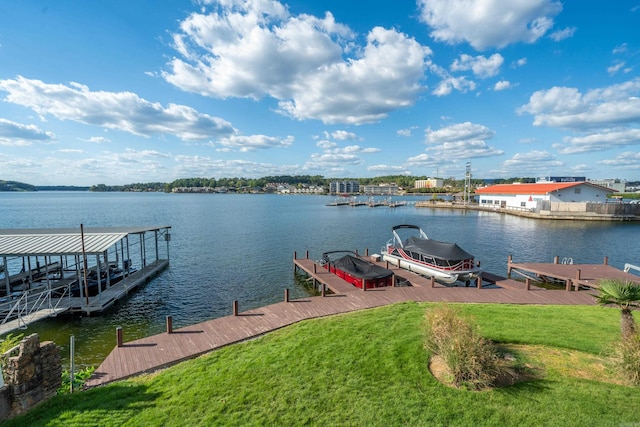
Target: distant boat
<point>357,271</point>
<point>446,262</point>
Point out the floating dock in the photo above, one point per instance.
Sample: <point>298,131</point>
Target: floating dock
<point>45,272</point>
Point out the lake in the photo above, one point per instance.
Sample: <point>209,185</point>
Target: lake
<point>227,247</point>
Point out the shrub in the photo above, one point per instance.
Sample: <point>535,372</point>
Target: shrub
<point>79,378</point>
<point>626,358</point>
<point>472,360</point>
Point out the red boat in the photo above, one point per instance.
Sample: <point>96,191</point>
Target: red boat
<point>357,271</point>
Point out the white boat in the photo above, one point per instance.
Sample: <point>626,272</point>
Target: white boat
<point>446,262</point>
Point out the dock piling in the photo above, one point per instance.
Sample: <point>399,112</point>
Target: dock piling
<point>433,282</point>
<point>606,260</point>
<point>169,324</point>
<point>527,281</point>
<point>119,336</point>
<point>479,281</point>
<point>324,290</point>
<point>235,307</point>
<point>286,294</point>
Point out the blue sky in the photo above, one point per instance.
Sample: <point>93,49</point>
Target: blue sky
<point>123,91</point>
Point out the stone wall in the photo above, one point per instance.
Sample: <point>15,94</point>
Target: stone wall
<point>32,373</point>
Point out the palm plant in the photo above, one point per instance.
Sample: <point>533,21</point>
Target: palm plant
<point>626,295</point>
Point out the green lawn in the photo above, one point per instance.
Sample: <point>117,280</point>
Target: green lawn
<point>370,369</point>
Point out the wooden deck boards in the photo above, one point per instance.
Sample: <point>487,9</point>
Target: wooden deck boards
<point>158,351</point>
<point>586,275</point>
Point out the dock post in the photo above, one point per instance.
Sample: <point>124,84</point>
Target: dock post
<point>119,336</point>
<point>527,281</point>
<point>479,281</point>
<point>324,290</point>
<point>578,274</point>
<point>364,284</point>
<point>169,324</point>
<point>433,282</point>
<point>509,259</point>
<point>393,280</point>
<point>568,285</point>
<point>556,259</point>
<point>295,256</point>
<point>286,294</point>
<point>306,255</point>
<point>366,252</point>
<point>606,260</point>
<point>235,307</point>
<point>314,268</point>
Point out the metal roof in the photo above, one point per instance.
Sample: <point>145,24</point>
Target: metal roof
<point>536,188</point>
<point>64,241</point>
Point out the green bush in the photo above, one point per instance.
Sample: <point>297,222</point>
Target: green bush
<point>471,360</point>
<point>79,378</point>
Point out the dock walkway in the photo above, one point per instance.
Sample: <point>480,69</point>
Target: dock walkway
<point>162,350</point>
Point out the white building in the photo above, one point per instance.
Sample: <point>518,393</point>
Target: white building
<point>527,196</point>
<point>381,189</point>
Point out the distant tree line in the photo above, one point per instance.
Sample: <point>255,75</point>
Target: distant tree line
<point>15,186</point>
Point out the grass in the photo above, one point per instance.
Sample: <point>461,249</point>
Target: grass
<point>371,368</point>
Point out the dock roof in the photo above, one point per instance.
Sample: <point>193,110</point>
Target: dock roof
<point>64,241</point>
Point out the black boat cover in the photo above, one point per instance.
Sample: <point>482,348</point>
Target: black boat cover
<point>360,268</point>
<point>436,249</point>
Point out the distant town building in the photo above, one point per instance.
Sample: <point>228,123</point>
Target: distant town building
<point>527,196</point>
<point>381,189</point>
<point>344,187</point>
<point>428,183</point>
<point>614,184</point>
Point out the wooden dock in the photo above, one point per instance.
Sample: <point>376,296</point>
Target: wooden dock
<point>573,275</point>
<point>156,352</point>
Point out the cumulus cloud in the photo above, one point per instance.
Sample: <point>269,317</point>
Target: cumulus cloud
<point>481,66</point>
<point>488,23</point>
<point>18,134</point>
<point>502,85</point>
<point>460,141</point>
<point>123,111</point>
<point>312,66</point>
<point>600,118</point>
<point>389,170</point>
<point>246,143</point>
<point>626,160</point>
<point>534,162</point>
<point>568,108</point>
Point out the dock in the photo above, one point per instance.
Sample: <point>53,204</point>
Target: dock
<point>574,276</point>
<point>46,272</point>
<point>162,350</point>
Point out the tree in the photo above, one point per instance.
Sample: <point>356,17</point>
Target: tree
<point>626,295</point>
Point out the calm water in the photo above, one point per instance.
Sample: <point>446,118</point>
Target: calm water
<point>240,247</point>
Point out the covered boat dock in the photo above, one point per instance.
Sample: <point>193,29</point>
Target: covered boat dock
<point>44,272</point>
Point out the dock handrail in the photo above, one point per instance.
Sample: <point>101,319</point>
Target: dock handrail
<point>24,306</point>
<point>628,267</point>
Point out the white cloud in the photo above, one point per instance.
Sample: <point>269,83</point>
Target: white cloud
<point>311,66</point>
<point>343,135</point>
<point>599,141</point>
<point>18,134</point>
<point>460,141</point>
<point>626,160</point>
<point>97,140</point>
<point>113,110</point>
<point>246,143</point>
<point>623,48</point>
<point>407,131</point>
<point>488,23</point>
<point>562,34</point>
<point>617,66</point>
<point>481,66</point>
<point>188,166</point>
<point>534,162</point>
<point>568,108</point>
<point>446,86</point>
<point>458,132</point>
<point>502,85</point>
<point>599,118</point>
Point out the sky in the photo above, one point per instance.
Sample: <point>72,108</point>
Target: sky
<point>118,91</point>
